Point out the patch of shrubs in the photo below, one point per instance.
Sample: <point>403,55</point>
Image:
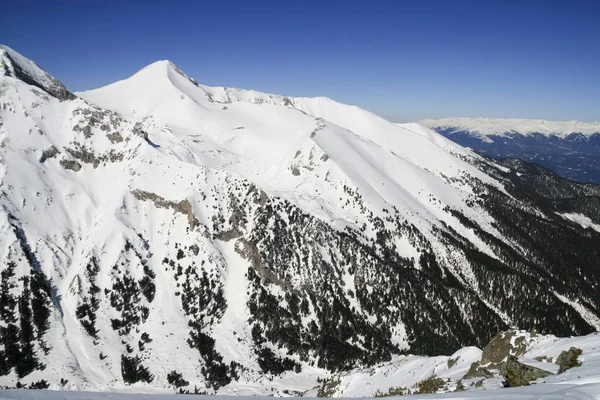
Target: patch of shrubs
<point>133,371</point>
<point>176,380</point>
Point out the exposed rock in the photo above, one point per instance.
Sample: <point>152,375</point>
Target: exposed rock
<point>237,217</point>
<point>180,72</point>
<point>138,131</point>
<point>89,118</point>
<point>195,249</point>
<point>70,164</point>
<point>87,131</point>
<point>476,371</point>
<point>518,374</point>
<point>452,362</point>
<point>569,359</point>
<point>185,207</point>
<point>182,207</point>
<point>84,156</point>
<point>50,152</point>
<point>115,137</point>
<point>19,67</point>
<point>228,235</point>
<point>249,252</point>
<point>262,197</point>
<point>500,354</point>
<point>501,346</point>
<point>87,156</point>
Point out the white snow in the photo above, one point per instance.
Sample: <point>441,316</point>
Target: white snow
<point>582,220</point>
<point>579,383</point>
<point>589,316</point>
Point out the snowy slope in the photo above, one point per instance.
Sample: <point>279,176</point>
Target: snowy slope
<point>502,127</point>
<point>254,243</point>
<point>581,382</point>
<point>265,139</point>
<point>552,392</point>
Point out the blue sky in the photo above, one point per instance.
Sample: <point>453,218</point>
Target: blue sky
<point>403,60</point>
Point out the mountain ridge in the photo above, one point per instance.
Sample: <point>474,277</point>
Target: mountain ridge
<point>14,64</point>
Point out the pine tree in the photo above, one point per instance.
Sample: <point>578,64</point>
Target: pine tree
<point>27,362</point>
<point>40,289</point>
<point>12,349</point>
<point>4,368</point>
<point>133,371</point>
<point>7,301</point>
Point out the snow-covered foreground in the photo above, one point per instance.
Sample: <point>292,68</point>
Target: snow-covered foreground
<point>406,372</point>
<point>549,391</point>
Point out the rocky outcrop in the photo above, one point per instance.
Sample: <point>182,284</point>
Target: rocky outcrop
<point>569,359</point>
<point>518,374</point>
<point>183,207</point>
<point>496,354</point>
<point>50,152</point>
<point>115,137</point>
<point>502,345</point>
<point>70,164</point>
<point>88,156</point>
<point>15,65</point>
<point>500,357</point>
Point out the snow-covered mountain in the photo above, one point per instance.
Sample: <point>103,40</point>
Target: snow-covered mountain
<point>569,148</point>
<point>159,232</point>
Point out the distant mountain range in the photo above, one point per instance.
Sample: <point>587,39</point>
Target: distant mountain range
<point>569,148</point>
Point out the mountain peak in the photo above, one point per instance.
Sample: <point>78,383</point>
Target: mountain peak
<point>157,65</point>
<point>162,68</point>
<point>15,65</point>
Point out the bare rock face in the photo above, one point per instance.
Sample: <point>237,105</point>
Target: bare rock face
<point>501,346</point>
<point>518,374</point>
<point>569,359</point>
<point>71,164</point>
<point>15,65</point>
<point>182,207</point>
<point>51,152</point>
<point>500,357</point>
<point>478,371</point>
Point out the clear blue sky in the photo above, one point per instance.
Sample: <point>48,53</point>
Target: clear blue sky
<point>402,60</point>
